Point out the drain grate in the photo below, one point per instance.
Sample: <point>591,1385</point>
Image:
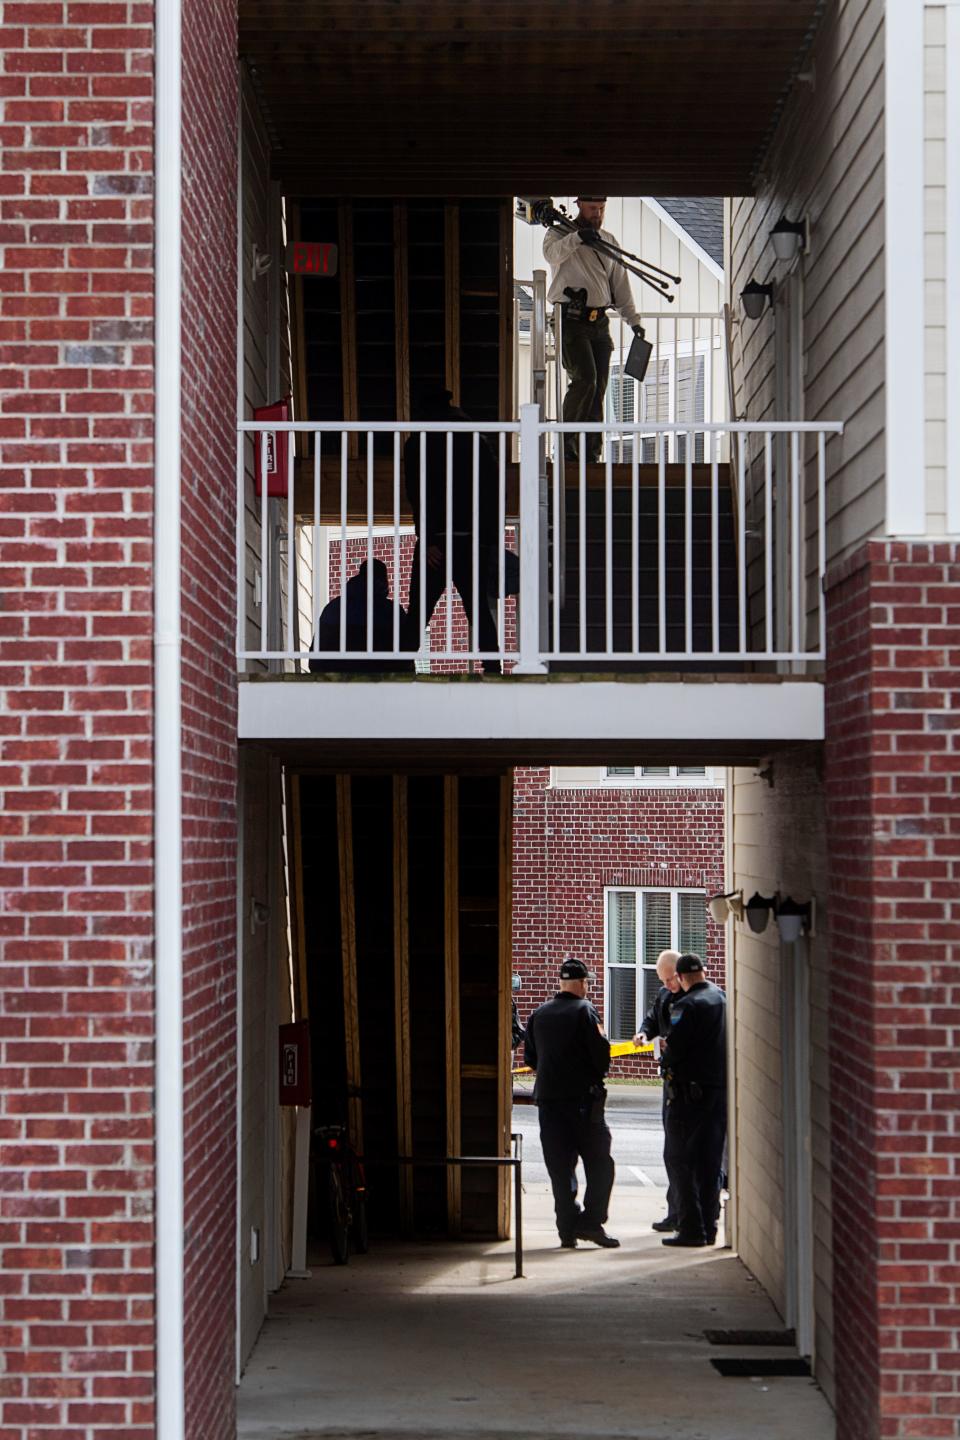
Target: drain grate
<point>755,1366</point>
<point>751,1337</point>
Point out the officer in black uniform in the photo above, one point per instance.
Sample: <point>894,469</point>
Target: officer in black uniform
<point>570,1054</point>
<point>656,1024</point>
<point>696,1082</point>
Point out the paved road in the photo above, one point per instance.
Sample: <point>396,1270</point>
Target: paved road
<point>633,1114</point>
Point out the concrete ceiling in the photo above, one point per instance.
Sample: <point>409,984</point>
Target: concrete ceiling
<point>495,97</point>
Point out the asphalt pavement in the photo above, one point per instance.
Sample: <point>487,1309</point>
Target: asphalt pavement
<point>633,1114</point>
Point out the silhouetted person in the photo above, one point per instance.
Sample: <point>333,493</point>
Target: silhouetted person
<point>328,627</point>
<point>431,526</point>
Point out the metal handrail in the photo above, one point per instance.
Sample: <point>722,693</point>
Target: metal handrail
<point>512,1162</point>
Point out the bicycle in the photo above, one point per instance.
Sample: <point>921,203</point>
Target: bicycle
<point>344,1191</point>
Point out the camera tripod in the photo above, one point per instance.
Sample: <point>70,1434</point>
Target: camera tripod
<point>546,214</point>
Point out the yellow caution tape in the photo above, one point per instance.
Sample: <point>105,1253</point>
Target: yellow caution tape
<point>622,1047</point>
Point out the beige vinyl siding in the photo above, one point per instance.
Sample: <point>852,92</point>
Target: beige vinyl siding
<point>778,844</point>
<point>935,200</point>
<point>826,162</point>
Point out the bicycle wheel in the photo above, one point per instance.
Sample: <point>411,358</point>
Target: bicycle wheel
<point>338,1216</point>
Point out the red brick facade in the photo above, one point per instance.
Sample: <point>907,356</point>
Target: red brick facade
<point>76,304</point>
<point>893,798</point>
<point>210,856</point>
<point>569,844</point>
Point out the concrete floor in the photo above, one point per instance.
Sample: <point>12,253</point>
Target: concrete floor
<point>439,1341</point>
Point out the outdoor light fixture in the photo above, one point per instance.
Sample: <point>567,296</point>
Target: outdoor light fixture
<point>754,299</point>
<point>757,911</point>
<point>790,237</point>
<point>792,919</point>
<point>720,906</point>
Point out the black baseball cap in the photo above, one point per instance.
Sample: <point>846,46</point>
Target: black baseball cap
<point>689,965</point>
<point>596,199</point>
<point>574,969</point>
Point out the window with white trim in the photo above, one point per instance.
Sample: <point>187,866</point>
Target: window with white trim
<point>638,925</point>
<point>655,772</point>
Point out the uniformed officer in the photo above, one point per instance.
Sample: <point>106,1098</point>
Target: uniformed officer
<point>585,281</point>
<point>656,1024</point>
<point>570,1054</point>
<point>696,1084</point>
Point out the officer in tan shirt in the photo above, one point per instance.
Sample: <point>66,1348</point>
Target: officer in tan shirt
<point>577,266</point>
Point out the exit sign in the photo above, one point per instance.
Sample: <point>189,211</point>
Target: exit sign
<point>311,257</point>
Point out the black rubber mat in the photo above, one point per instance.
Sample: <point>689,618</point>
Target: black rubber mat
<point>751,1337</point>
<point>755,1366</point>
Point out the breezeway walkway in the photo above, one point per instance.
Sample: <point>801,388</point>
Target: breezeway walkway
<point>439,1341</point>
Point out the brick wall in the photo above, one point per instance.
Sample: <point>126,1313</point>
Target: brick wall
<point>571,843</point>
<point>893,797</point>
<point>209,709</point>
<point>76,377</point>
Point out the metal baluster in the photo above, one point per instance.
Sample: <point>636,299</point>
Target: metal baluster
<point>583,544</point>
<point>264,546</point>
<point>449,606</point>
<point>315,607</point>
<point>688,545</point>
<point>343,542</point>
<point>501,542</point>
<point>795,543</point>
<point>768,541</point>
<point>608,548</point>
<point>369,542</point>
<point>714,552</point>
<point>396,541</point>
<point>635,544</point>
<point>822,536</point>
<point>475,547</point>
<point>662,540</point>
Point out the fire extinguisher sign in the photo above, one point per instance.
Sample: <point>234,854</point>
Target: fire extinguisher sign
<point>270,451</point>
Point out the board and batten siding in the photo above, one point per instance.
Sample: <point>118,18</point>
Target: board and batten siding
<point>826,162</point>
<point>778,844</point>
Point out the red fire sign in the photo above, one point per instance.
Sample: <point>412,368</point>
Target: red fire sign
<point>311,257</point>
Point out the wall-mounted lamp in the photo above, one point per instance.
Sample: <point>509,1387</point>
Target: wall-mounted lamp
<point>754,299</point>
<point>721,906</point>
<point>260,263</point>
<point>790,237</point>
<point>793,919</point>
<point>757,910</point>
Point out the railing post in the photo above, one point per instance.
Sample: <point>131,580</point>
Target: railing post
<point>529,662</point>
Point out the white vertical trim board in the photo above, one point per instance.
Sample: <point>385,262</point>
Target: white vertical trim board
<point>168,849</point>
<point>904,259</point>
<point>952,318</point>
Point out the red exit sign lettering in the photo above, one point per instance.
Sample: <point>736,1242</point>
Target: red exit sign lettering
<point>311,257</point>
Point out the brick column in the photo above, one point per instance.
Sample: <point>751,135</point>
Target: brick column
<point>893,800</point>
<point>76,1024</point>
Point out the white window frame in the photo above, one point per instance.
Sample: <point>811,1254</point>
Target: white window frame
<point>673,781</point>
<point>640,968</point>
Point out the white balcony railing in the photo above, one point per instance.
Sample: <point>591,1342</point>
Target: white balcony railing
<point>666,558</point>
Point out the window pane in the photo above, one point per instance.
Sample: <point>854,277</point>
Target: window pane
<point>651,987</point>
<point>656,924</point>
<point>627,770</point>
<point>691,769</point>
<point>693,925</point>
<point>656,770</point>
<point>622,1004</point>
<point>622,928</point>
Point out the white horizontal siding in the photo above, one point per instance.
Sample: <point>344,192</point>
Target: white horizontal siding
<point>826,162</point>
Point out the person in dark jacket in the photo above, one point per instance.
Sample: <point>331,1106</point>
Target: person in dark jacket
<point>357,591</point>
<point>432,527</point>
<point>656,1025</point>
<point>566,1047</point>
<point>696,1084</point>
